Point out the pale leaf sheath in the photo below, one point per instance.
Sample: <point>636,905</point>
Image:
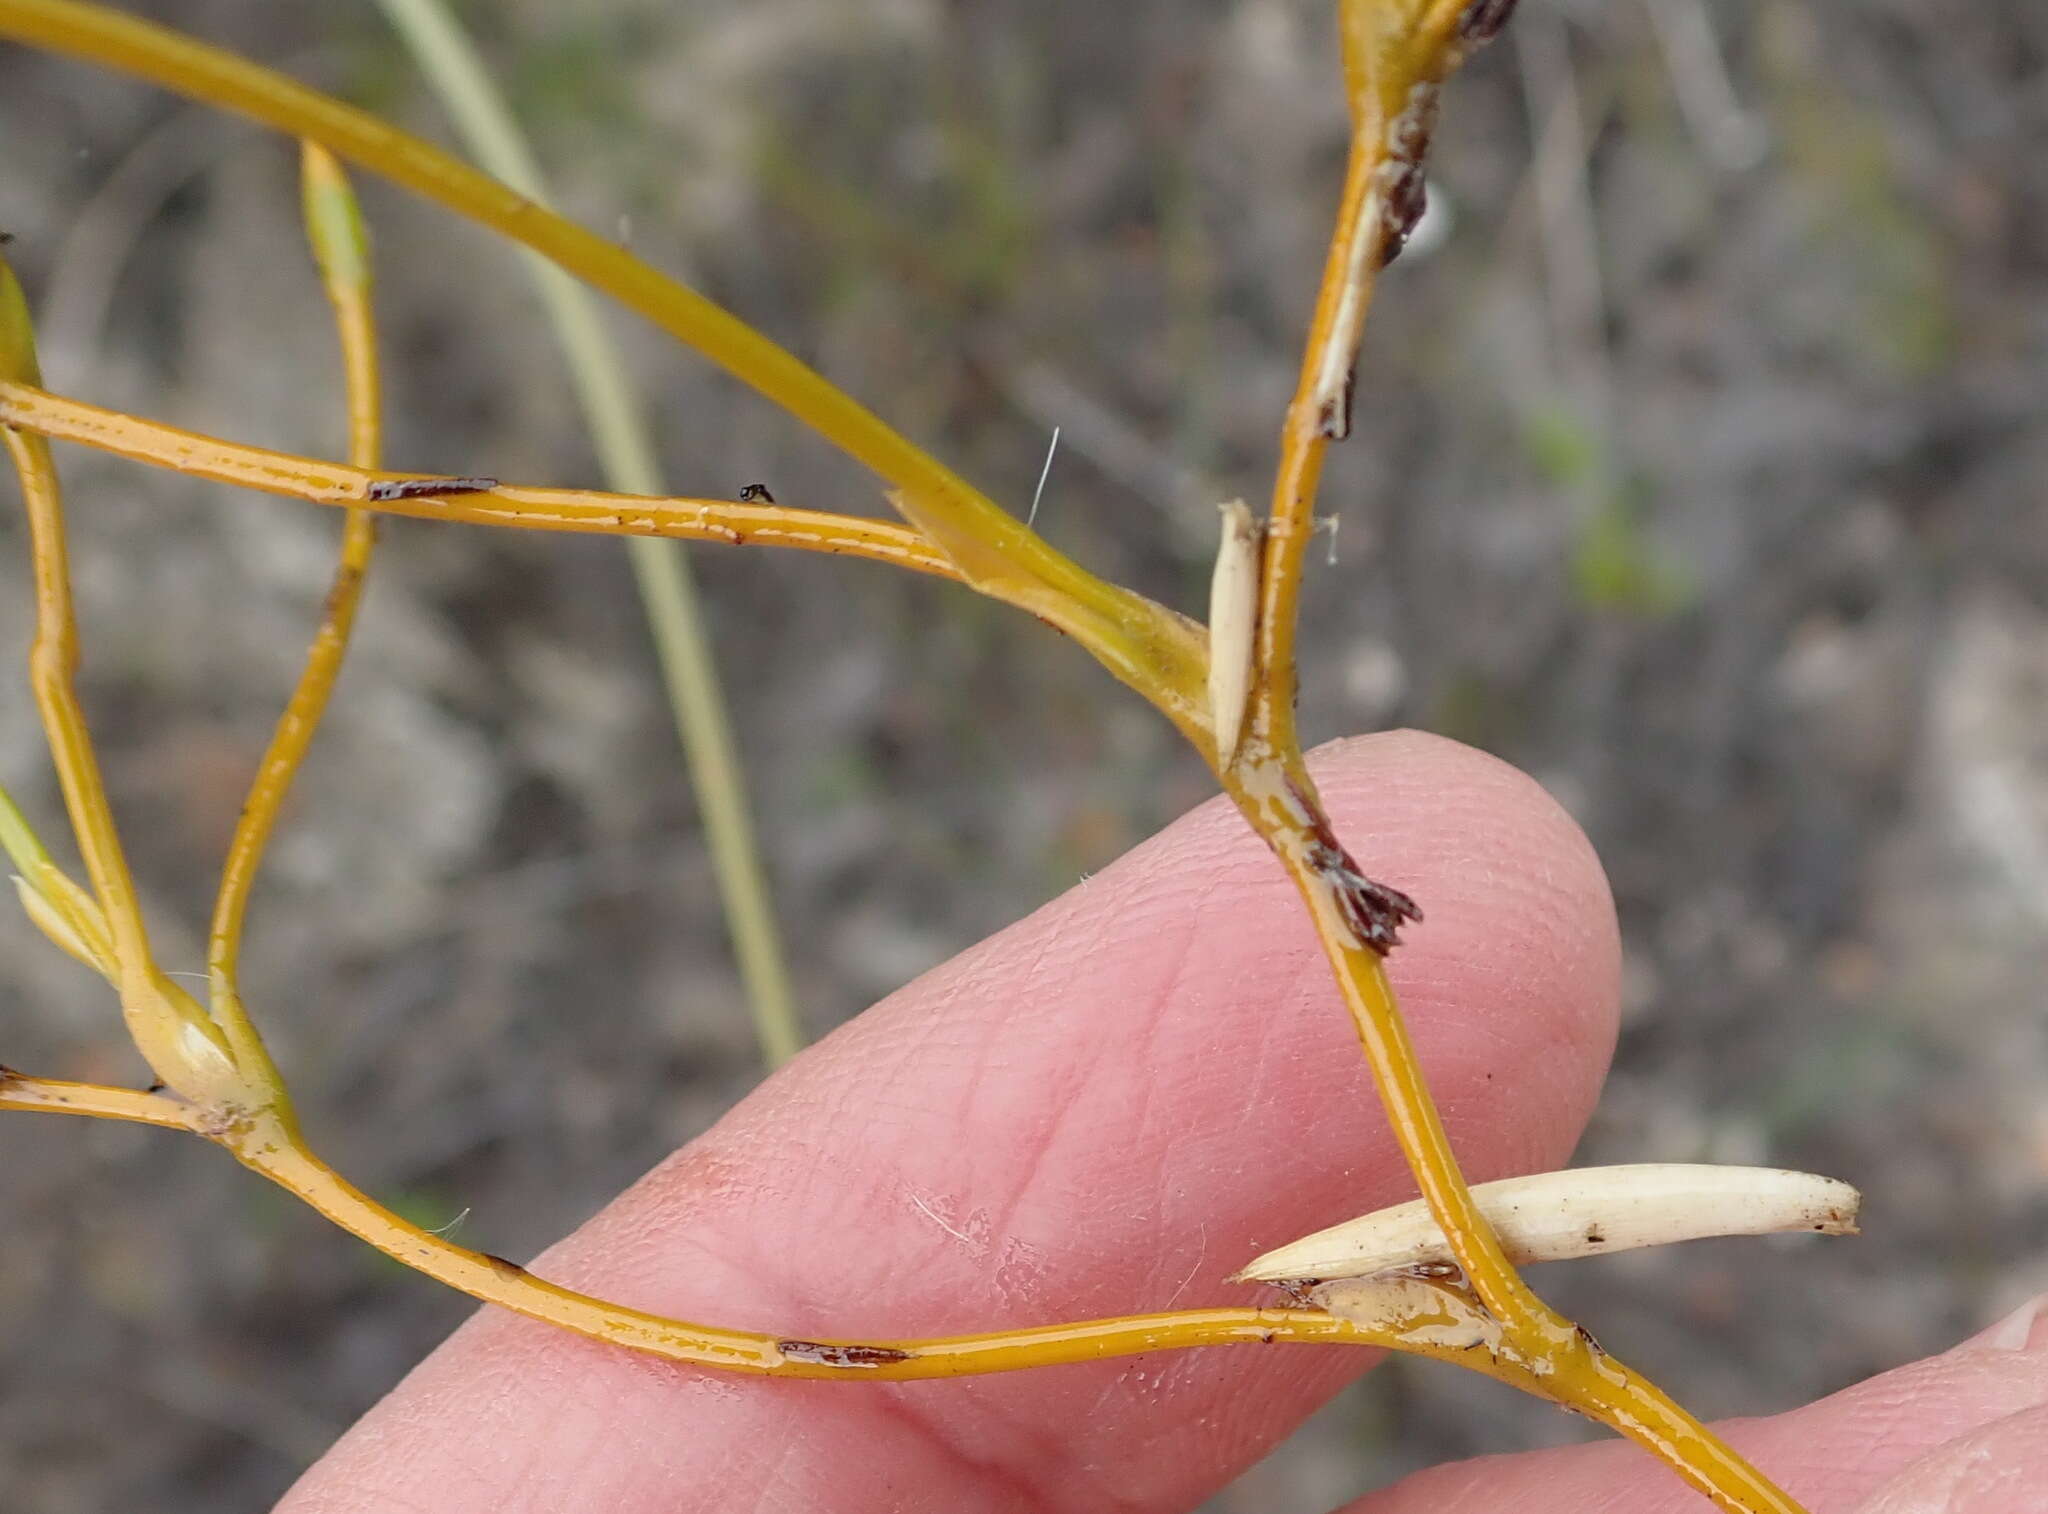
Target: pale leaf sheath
<point>1586,1211</point>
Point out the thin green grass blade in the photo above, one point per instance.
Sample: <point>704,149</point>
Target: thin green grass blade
<point>457,73</point>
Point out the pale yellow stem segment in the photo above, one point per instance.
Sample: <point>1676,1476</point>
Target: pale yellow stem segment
<point>32,409</point>
<point>182,1046</point>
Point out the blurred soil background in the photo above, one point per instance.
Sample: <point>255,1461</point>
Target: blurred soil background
<point>1697,471</point>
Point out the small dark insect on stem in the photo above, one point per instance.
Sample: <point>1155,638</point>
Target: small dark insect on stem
<point>756,494</point>
<point>384,489</point>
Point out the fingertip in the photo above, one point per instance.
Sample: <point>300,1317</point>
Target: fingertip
<point>1107,1108</point>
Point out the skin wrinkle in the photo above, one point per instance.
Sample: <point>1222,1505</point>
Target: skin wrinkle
<point>1033,1444</point>
<point>980,1469</point>
<point>1011,1453</point>
<point>1258,1082</point>
<point>1033,977</point>
<point>497,1395</point>
<point>1052,1108</point>
<point>1885,1419</point>
<point>881,1425</point>
<point>1047,1140</point>
<point>776,1483</point>
<point>1967,1475</point>
<point>1160,1002</point>
<point>1252,1087</point>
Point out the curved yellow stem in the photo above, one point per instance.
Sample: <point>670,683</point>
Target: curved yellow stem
<point>189,67</point>
<point>341,250</point>
<point>94,1100</point>
<point>269,1150</point>
<point>1145,646</point>
<point>30,409</point>
<point>181,1045</point>
<point>1396,54</point>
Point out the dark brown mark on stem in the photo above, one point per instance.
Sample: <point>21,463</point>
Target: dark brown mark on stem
<point>1335,421</point>
<point>383,490</point>
<point>1407,199</point>
<point>344,587</point>
<point>842,1356</point>
<point>1404,193</point>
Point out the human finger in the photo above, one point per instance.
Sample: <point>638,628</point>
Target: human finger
<point>1104,1109</point>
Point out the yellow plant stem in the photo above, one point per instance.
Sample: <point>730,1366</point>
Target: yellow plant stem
<point>1144,646</point>
<point>1271,783</point>
<point>1639,1411</point>
<point>53,662</point>
<point>180,1044</point>
<point>95,1100</point>
<point>1152,649</point>
<point>30,409</point>
<point>219,78</point>
<point>341,252</point>
<point>1396,53</point>
<point>497,1281</point>
<point>266,1144</point>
